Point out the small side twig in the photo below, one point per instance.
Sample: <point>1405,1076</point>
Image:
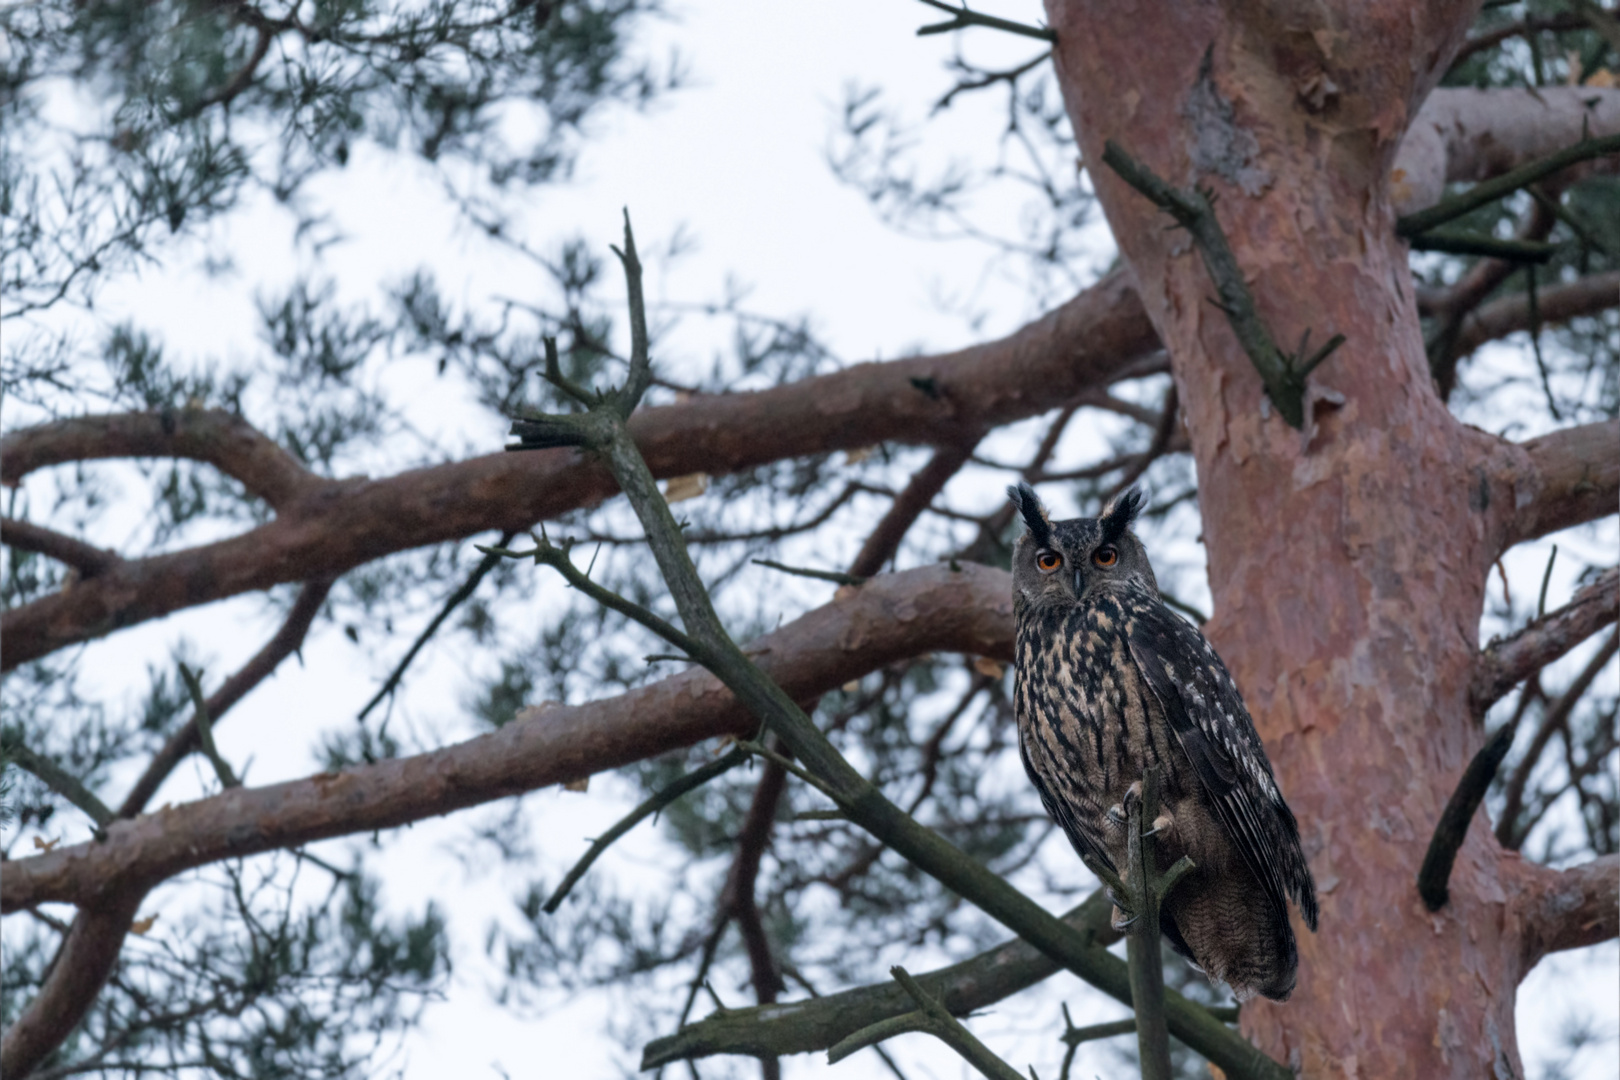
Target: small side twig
<point>962,18</point>
<point>1283,374</point>
<point>205,729</point>
<point>1433,877</point>
<point>689,782</point>
<point>835,576</point>
<point>58,780</point>
<point>453,601</point>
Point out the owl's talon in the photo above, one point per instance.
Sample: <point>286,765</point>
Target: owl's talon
<point>1119,921</point>
<point>1116,816</point>
<point>1161,824</point>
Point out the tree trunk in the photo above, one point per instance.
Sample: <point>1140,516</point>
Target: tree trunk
<point>1348,562</point>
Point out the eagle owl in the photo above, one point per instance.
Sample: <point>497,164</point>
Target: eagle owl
<point>1109,681</point>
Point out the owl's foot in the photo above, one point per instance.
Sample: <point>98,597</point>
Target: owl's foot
<point>1119,813</point>
<point>1162,825</point>
<point>1120,921</point>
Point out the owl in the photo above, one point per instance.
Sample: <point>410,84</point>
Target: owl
<point>1109,681</point>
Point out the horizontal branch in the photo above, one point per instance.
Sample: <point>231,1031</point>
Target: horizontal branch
<point>1488,191</point>
<point>87,559</point>
<point>219,438</point>
<point>1089,341</point>
<point>1555,305</point>
<point>1098,336</point>
<point>1506,662</point>
<point>1549,483</point>
<point>890,618</point>
<point>1467,135</point>
<point>802,1027</point>
<point>1559,910</point>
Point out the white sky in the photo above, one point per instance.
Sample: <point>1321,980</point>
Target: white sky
<point>738,159</point>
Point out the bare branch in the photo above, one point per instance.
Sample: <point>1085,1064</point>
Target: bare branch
<point>1509,661</point>
<point>1465,134</point>
<point>1564,478</point>
<point>892,617</point>
<point>57,779</point>
<point>1092,339</point>
<point>87,559</point>
<point>1488,191</point>
<point>819,1023</point>
<point>935,1019</point>
<point>219,438</point>
<point>1554,305</point>
<point>1566,909</point>
<point>962,18</point>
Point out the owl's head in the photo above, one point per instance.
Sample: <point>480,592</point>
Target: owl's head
<point>1061,563</point>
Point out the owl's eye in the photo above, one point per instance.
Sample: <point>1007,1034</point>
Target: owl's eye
<point>1107,555</point>
<point>1048,561</point>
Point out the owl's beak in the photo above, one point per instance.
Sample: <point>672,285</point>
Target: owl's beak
<point>1079,581</point>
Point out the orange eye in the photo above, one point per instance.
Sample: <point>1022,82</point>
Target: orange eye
<point>1105,556</point>
<point>1048,561</point>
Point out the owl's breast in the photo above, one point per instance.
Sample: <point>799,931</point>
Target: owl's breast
<point>1087,720</point>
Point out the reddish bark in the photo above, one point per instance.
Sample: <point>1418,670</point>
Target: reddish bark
<point>335,526</point>
<point>1508,662</point>
<point>1348,572</point>
<point>78,972</point>
<point>893,617</point>
<point>1558,304</point>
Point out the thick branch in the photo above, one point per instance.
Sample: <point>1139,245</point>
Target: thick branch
<point>87,559</point>
<point>1505,663</point>
<point>1464,134</point>
<point>1083,344</point>
<point>803,1027</point>
<point>1549,483</point>
<point>222,439</point>
<point>82,964</point>
<point>1434,875</point>
<point>892,617</point>
<point>1489,191</point>
<point>1554,305</point>
<point>1566,909</point>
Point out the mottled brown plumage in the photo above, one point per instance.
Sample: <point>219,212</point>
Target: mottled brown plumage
<point>1109,681</point>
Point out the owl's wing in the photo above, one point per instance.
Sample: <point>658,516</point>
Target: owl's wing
<point>1203,708</point>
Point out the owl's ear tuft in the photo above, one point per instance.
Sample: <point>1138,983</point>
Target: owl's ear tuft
<point>1119,515</point>
<point>1034,514</point>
